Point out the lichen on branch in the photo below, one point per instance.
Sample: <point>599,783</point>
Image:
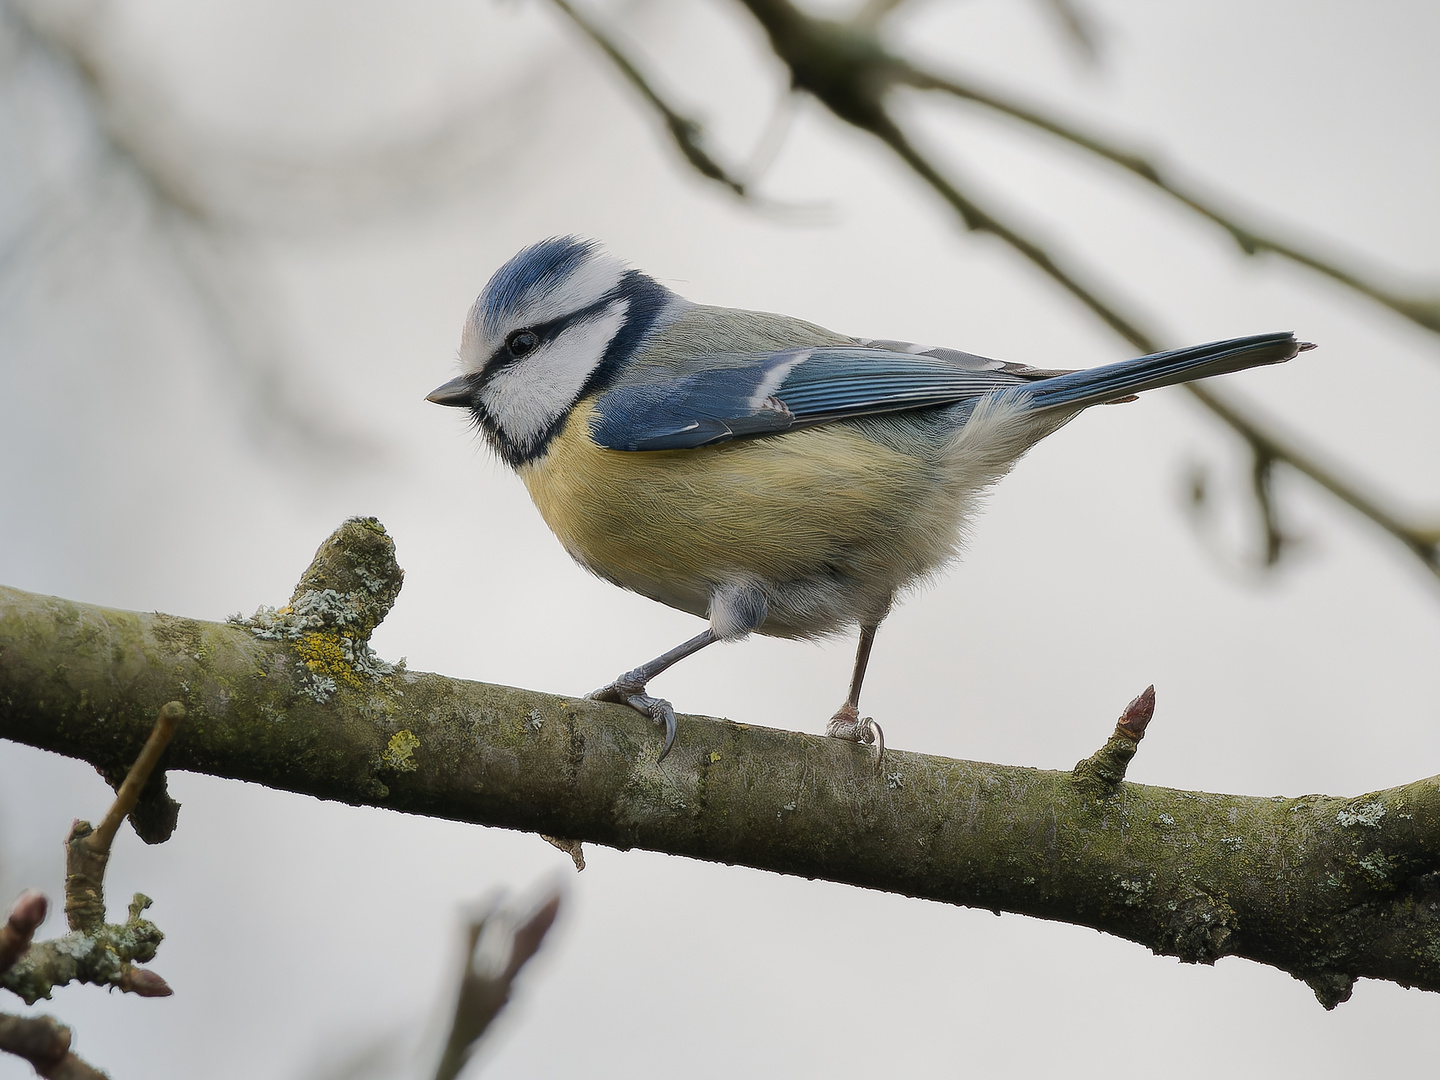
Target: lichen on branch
<point>346,592</point>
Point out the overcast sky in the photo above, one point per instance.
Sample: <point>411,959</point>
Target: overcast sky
<point>144,470</point>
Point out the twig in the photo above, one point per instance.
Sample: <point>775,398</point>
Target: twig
<point>1251,240</point>
<point>45,1043</point>
<point>88,850</point>
<point>1423,541</point>
<point>95,951</point>
<point>687,132</point>
<point>498,946</point>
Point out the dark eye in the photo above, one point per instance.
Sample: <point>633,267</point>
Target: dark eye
<point>521,342</point>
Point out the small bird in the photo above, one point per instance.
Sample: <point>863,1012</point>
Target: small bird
<point>756,470</point>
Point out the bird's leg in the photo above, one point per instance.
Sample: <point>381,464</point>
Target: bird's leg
<point>629,689</point>
<point>846,723</point>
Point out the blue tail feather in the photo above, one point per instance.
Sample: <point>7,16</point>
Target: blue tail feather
<point>1093,386</point>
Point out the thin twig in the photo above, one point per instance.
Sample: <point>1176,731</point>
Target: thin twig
<point>1266,444</point>
<point>978,219</point>
<point>687,132</point>
<point>128,794</point>
<point>45,1043</point>
<point>488,979</point>
<point>1250,239</point>
<point>1423,541</point>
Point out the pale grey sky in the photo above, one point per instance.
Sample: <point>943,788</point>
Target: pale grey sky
<point>300,932</point>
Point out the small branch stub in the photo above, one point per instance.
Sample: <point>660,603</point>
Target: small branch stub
<point>1100,774</point>
<point>344,594</point>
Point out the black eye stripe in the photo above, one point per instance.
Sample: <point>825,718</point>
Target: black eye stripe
<point>544,332</point>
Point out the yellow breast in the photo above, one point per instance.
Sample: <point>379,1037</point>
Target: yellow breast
<point>671,525</point>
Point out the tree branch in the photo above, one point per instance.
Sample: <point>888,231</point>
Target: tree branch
<point>1328,889</point>
<point>1251,239</point>
<point>851,73</point>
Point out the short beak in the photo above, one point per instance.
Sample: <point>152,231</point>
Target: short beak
<point>455,392</point>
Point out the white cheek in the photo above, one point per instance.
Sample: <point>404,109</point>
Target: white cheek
<point>527,397</point>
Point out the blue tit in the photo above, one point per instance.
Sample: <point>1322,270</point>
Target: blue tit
<point>756,470</point>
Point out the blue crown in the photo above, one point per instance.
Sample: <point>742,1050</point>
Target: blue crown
<point>534,271</point>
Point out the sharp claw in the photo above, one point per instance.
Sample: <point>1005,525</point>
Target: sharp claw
<point>660,711</point>
<point>847,724</point>
<point>624,692</point>
<point>668,719</point>
<point>877,737</point>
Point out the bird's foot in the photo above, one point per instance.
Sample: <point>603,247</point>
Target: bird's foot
<point>629,691</point>
<point>847,724</point>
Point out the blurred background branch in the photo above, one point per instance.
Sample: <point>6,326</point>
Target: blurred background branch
<point>500,940</point>
<point>209,205</point>
<point>848,69</point>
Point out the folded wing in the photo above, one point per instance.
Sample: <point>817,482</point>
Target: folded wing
<point>715,399</point>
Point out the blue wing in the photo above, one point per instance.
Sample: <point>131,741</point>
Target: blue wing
<point>767,393</point>
<point>712,399</point>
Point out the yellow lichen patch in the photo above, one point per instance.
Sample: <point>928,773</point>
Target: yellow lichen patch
<point>400,751</point>
<point>714,756</point>
<point>324,654</point>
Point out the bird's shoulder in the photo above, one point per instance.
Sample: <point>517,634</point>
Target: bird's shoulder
<point>704,338</point>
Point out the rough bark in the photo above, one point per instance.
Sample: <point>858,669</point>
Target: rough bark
<point>1328,889</point>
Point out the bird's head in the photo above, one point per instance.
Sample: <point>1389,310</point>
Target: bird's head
<point>553,325</point>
